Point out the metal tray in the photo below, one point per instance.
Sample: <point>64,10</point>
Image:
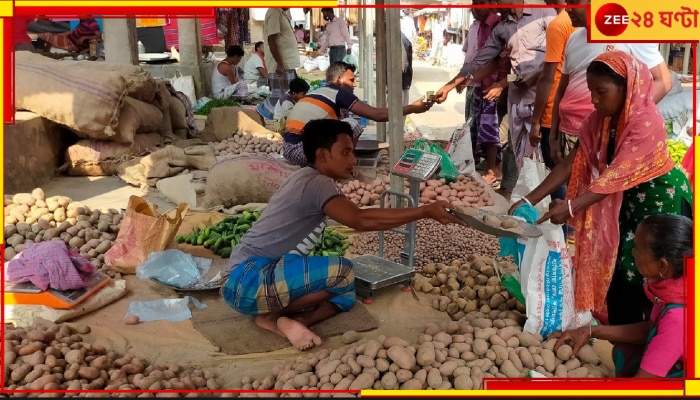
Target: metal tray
<point>374,272</point>
<point>214,286</point>
<point>477,222</point>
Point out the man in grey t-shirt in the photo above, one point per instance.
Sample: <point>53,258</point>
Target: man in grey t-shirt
<point>271,273</point>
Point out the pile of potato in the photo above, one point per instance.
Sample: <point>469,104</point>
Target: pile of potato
<point>458,355</point>
<point>467,287</point>
<point>246,144</point>
<point>33,218</point>
<point>48,356</point>
<point>467,191</point>
<point>435,243</point>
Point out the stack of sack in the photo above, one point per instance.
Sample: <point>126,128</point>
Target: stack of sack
<point>119,111</point>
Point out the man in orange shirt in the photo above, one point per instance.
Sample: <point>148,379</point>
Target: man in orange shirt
<point>558,32</point>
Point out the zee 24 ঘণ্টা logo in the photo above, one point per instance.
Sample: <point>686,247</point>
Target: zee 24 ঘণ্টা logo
<point>612,19</point>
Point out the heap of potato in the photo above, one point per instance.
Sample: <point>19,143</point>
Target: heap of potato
<point>467,287</point>
<point>48,356</point>
<point>435,243</point>
<point>467,191</point>
<point>33,218</point>
<point>458,355</point>
<point>246,144</point>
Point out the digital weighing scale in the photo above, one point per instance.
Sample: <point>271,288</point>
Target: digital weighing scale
<point>375,272</point>
<point>27,293</point>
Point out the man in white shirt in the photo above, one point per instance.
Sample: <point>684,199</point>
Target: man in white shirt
<point>408,26</point>
<point>255,69</point>
<point>337,37</point>
<point>572,102</point>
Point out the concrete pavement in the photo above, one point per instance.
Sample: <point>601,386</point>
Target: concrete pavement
<point>442,119</point>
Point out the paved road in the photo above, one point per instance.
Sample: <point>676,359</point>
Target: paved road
<point>442,119</point>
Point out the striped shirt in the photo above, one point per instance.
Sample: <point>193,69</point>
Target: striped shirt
<point>328,102</point>
<point>87,27</point>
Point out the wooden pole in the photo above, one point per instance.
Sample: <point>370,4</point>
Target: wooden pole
<point>381,54</point>
<point>393,35</point>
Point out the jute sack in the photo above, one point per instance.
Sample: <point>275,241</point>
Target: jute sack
<point>137,117</point>
<point>139,83</point>
<point>255,179</point>
<point>103,157</point>
<point>224,122</point>
<point>144,172</point>
<point>87,101</point>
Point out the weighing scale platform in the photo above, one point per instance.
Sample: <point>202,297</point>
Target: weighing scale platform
<point>27,293</point>
<point>373,273</point>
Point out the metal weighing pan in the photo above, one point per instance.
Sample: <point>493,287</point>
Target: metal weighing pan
<point>197,287</point>
<point>370,147</point>
<point>477,222</point>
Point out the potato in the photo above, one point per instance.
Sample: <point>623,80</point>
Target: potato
<point>24,199</point>
<point>564,352</point>
<point>509,369</point>
<point>588,354</point>
<point>549,360</point>
<point>401,356</point>
<point>349,336</point>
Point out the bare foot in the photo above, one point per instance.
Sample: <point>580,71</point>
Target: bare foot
<point>297,333</point>
<point>491,176</point>
<point>269,322</point>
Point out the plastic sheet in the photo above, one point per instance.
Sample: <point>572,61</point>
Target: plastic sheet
<point>173,310</point>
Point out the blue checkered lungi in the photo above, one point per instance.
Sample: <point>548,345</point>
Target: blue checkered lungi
<point>262,285</point>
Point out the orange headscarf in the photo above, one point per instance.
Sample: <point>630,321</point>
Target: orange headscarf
<point>641,154</point>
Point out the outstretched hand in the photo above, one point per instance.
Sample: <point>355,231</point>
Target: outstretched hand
<point>438,211</point>
<point>441,95</point>
<point>558,212</point>
<point>578,338</point>
<point>421,105</point>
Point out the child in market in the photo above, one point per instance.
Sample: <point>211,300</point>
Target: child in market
<point>297,90</point>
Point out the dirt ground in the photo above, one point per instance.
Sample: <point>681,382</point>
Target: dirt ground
<point>398,313</point>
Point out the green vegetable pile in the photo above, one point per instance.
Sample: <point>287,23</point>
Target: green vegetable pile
<point>677,150</point>
<point>331,244</point>
<point>314,84</point>
<point>206,109</point>
<point>222,237</point>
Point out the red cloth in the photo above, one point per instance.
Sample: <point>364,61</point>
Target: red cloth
<point>208,32</point>
<point>50,264</point>
<point>21,24</point>
<point>666,291</point>
<point>641,153</point>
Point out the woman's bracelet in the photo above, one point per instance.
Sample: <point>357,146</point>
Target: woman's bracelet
<point>526,200</point>
<point>571,209</point>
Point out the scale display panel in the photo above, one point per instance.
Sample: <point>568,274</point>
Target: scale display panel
<point>417,165</point>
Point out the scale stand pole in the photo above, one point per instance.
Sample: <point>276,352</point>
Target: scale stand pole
<point>408,255</point>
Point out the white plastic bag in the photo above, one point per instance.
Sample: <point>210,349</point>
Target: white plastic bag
<point>531,175</point>
<point>185,84</point>
<point>173,310</point>
<point>310,64</point>
<point>547,283</point>
<point>350,59</point>
<point>323,62</point>
<point>172,267</point>
<point>459,148</point>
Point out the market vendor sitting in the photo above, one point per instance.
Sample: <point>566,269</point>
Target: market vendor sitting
<point>76,40</point>
<point>660,244</point>
<point>226,79</point>
<point>334,101</point>
<point>271,274</point>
